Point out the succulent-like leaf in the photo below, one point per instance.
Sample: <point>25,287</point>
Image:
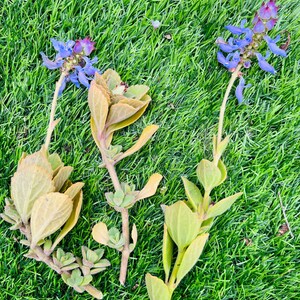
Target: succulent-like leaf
<point>119,112</point>
<point>193,193</point>
<point>95,132</point>
<point>208,174</point>
<point>61,177</point>
<point>150,187</point>
<point>144,138</point>
<point>157,289</point>
<point>93,291</point>
<point>167,250</point>
<point>49,213</point>
<point>27,185</point>
<point>183,224</point>
<point>72,220</point>
<point>74,189</point>
<point>98,104</point>
<point>221,206</point>
<point>191,256</point>
<point>100,233</point>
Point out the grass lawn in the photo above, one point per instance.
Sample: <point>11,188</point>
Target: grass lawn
<point>245,257</point>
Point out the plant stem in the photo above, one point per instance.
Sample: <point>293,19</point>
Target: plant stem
<point>234,76</point>
<point>171,284</point>
<point>52,123</point>
<point>124,211</point>
<point>125,251</point>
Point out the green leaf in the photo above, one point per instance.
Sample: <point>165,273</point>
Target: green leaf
<point>49,213</point>
<point>144,138</point>
<point>136,91</point>
<point>61,177</point>
<point>167,250</point>
<point>98,104</point>
<point>112,78</point>
<point>220,207</point>
<point>150,187</point>
<point>71,222</point>
<point>208,174</point>
<point>183,224</point>
<point>193,193</point>
<point>55,162</point>
<point>191,256</point>
<point>157,289</point>
<point>27,185</point>
<point>222,145</point>
<point>223,171</point>
<point>100,233</point>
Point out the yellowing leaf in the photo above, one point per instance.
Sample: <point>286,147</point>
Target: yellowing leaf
<point>134,236</point>
<point>167,250</point>
<point>95,133</point>
<point>150,187</point>
<point>27,185</point>
<point>98,104</point>
<point>183,224</point>
<point>71,222</point>
<point>49,213</point>
<point>221,206</point>
<point>100,233</point>
<point>208,174</point>
<point>119,112</point>
<point>193,193</point>
<point>38,159</point>
<point>74,189</point>
<point>61,177</point>
<point>191,256</point>
<point>157,289</point>
<point>136,91</point>
<point>130,120</point>
<point>144,138</point>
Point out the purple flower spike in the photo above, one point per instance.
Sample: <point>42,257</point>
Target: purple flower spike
<point>273,47</point>
<point>240,88</point>
<point>235,30</point>
<point>264,65</point>
<point>72,60</point>
<point>85,46</point>
<point>271,23</point>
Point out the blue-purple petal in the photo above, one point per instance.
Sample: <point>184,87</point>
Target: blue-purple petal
<point>273,47</point>
<point>264,65</point>
<point>239,90</point>
<point>63,86</point>
<point>51,65</point>
<point>235,29</point>
<point>83,79</point>
<point>74,79</point>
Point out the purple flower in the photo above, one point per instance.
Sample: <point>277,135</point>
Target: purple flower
<point>227,47</point>
<point>85,46</point>
<point>264,65</point>
<point>268,10</point>
<point>273,47</point>
<point>71,58</point>
<point>240,88</point>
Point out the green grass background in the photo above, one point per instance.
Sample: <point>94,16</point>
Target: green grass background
<point>187,84</point>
